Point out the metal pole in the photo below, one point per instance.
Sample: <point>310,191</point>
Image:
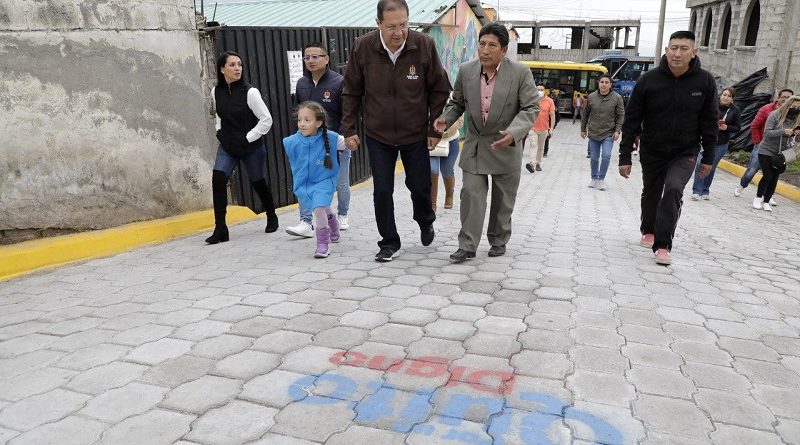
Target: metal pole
<point>659,48</point>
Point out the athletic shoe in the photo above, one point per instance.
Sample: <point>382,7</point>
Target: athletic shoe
<point>695,197</point>
<point>593,184</point>
<point>648,239</point>
<point>772,202</point>
<point>737,192</point>
<point>767,207</point>
<point>386,254</point>
<point>344,224</point>
<point>601,184</point>
<point>302,229</point>
<point>706,197</point>
<point>757,203</point>
<point>662,257</point>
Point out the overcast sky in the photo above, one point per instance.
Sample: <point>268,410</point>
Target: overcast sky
<point>677,16</point>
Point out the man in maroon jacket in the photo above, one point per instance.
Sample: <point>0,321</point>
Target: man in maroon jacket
<point>397,75</point>
<point>757,133</point>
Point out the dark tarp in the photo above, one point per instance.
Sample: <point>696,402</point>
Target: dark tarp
<point>748,103</point>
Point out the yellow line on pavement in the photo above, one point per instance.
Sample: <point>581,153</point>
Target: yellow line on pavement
<point>783,189</point>
<point>30,256</point>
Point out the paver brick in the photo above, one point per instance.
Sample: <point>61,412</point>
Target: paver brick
<point>672,416</point>
<point>602,388</point>
<point>154,427</point>
<point>663,382</point>
<point>717,377</point>
<point>69,431</point>
<point>102,378</point>
<point>246,364</point>
<point>237,422</point>
<point>43,408</point>
<point>117,404</point>
<point>738,409</point>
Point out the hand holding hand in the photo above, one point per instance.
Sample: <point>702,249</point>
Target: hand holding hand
<point>704,170</point>
<point>506,140</point>
<point>625,171</point>
<point>352,142</point>
<point>440,125</point>
<point>788,132</point>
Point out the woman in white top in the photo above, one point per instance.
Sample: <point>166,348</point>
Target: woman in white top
<point>242,119</point>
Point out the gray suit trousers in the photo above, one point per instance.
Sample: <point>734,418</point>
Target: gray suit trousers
<point>474,190</point>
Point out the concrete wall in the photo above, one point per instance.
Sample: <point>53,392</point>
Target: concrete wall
<point>777,47</point>
<point>104,119</point>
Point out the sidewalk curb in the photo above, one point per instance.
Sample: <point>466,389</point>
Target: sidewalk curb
<point>30,256</point>
<point>783,189</point>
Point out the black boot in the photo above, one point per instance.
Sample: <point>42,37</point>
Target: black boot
<point>219,191</point>
<point>265,194</point>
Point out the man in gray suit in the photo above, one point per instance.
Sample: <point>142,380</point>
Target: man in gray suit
<point>500,98</point>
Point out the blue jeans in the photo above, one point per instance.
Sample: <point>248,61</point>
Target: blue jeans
<point>701,186</point>
<point>342,187</point>
<point>752,168</point>
<point>600,149</point>
<point>255,163</point>
<point>446,164</point>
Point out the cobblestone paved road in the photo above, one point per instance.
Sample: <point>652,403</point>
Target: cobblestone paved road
<point>574,337</point>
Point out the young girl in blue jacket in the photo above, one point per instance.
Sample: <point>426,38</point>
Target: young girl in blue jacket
<point>315,171</point>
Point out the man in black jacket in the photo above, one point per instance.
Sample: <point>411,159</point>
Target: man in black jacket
<point>671,113</point>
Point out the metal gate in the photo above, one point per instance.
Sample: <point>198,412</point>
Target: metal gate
<point>267,68</point>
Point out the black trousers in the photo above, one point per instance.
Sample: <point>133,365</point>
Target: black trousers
<point>662,196</point>
<point>417,165</point>
<point>769,180</point>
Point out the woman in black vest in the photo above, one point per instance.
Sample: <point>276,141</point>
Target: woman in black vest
<point>242,118</point>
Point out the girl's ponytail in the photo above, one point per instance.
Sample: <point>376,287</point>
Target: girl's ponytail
<point>328,163</point>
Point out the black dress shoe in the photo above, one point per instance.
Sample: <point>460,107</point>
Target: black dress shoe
<point>426,235</point>
<point>529,166</point>
<point>461,255</point>
<point>538,168</point>
<point>497,250</point>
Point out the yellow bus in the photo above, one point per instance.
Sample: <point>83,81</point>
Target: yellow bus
<point>565,80</point>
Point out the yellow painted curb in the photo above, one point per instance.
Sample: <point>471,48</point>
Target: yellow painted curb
<point>783,189</point>
<point>30,256</point>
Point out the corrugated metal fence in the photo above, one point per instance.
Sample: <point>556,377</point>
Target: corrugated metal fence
<point>265,56</point>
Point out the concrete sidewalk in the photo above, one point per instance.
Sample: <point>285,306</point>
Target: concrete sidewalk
<point>575,336</point>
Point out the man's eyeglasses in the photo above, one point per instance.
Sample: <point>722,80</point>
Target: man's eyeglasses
<point>314,57</point>
<point>395,28</point>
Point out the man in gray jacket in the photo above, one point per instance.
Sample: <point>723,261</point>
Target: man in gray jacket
<point>602,120</point>
<point>500,97</point>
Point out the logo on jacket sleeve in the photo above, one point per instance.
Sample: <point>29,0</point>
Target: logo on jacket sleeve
<point>412,73</point>
<point>326,96</point>
<point>697,94</point>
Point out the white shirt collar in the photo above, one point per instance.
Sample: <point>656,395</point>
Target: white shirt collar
<point>392,55</point>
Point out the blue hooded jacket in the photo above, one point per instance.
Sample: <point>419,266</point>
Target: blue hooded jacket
<point>313,184</point>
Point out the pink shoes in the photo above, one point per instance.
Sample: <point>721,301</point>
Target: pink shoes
<point>648,239</point>
<point>662,257</point>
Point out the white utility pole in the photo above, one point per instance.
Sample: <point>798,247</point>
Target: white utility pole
<point>660,37</point>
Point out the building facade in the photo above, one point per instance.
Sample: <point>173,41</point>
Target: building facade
<point>739,37</point>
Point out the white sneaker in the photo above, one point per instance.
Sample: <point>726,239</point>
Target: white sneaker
<point>601,185</point>
<point>706,197</point>
<point>772,202</point>
<point>303,229</point>
<point>695,197</point>
<point>757,203</point>
<point>593,184</point>
<point>766,207</point>
<point>737,192</point>
<point>344,224</point>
